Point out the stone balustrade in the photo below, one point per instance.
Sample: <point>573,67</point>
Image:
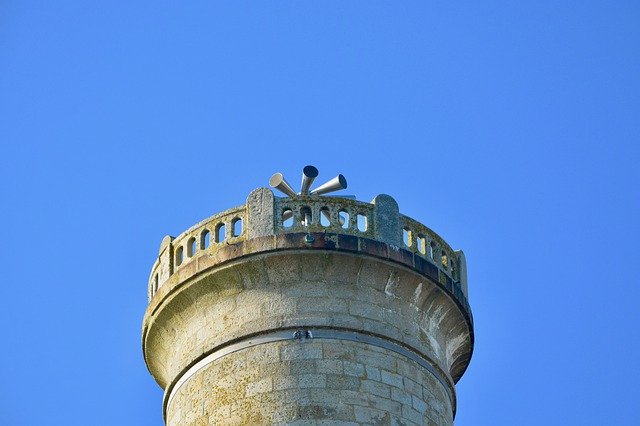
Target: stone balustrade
<point>266,215</point>
<point>204,237</point>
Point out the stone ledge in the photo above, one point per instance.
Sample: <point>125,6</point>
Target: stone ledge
<point>318,241</point>
<point>322,242</point>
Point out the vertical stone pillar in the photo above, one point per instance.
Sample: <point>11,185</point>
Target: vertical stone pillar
<point>165,257</point>
<point>260,213</point>
<point>463,272</point>
<point>386,220</point>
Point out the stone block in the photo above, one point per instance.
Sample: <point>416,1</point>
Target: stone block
<point>301,351</point>
<point>401,396</point>
<point>371,416</point>
<point>375,388</point>
<point>386,219</point>
<point>260,213</point>
<point>374,274</point>
<point>335,381</point>
<point>391,379</point>
<point>337,350</point>
<point>329,366</point>
<point>313,265</point>
<point>418,404</point>
<point>348,242</point>
<point>426,267</point>
<point>354,369</point>
<point>400,255</point>
<point>386,405</point>
<point>259,244</point>
<point>373,373</point>
<point>312,381</point>
<point>342,268</point>
<point>410,414</point>
<point>322,304</point>
<point>412,387</point>
<point>373,248</point>
<point>281,382</point>
<point>282,269</point>
<point>365,310</point>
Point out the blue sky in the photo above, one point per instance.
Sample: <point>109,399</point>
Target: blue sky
<point>510,128</point>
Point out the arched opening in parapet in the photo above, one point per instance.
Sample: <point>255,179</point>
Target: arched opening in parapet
<point>325,216</point>
<point>179,256</point>
<point>421,244</point>
<point>205,239</point>
<point>155,285</point>
<point>191,247</point>
<point>287,218</point>
<point>236,224</point>
<point>220,232</point>
<point>305,215</point>
<point>445,261</point>
<point>362,222</point>
<point>343,216</point>
<point>406,237</point>
<point>432,251</point>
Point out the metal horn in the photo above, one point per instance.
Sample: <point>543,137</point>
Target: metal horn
<point>287,214</point>
<point>309,173</point>
<point>337,183</point>
<point>278,182</point>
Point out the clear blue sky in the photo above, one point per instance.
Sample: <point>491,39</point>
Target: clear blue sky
<point>510,128</point>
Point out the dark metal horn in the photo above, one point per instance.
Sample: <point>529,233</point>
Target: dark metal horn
<point>337,183</point>
<point>309,173</point>
<point>278,182</point>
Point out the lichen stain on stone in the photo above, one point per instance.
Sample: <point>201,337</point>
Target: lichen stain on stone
<point>392,284</point>
<point>453,344</point>
<point>416,296</point>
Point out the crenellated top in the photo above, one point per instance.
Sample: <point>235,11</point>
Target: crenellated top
<point>265,215</point>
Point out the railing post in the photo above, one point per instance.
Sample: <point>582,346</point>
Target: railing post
<point>260,213</point>
<point>386,220</point>
<point>165,256</point>
<point>462,272</point>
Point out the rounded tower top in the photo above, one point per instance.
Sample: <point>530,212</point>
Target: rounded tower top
<point>337,217</point>
<point>392,258</point>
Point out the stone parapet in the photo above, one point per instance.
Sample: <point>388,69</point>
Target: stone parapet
<point>265,215</point>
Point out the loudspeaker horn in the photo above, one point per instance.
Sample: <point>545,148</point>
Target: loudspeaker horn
<point>337,183</point>
<point>278,182</point>
<point>309,173</point>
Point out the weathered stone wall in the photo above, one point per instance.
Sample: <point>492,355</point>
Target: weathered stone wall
<point>297,382</point>
<point>286,290</point>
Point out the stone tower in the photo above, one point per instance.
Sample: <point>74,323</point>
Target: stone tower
<point>299,309</point>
